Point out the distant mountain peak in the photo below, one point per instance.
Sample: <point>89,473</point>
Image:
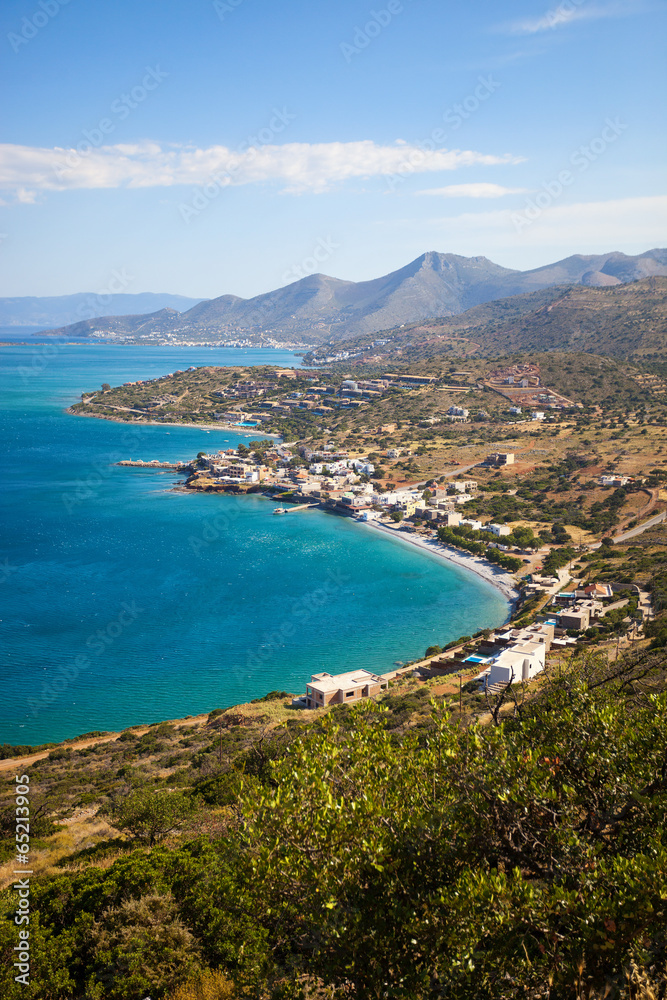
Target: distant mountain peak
<point>319,308</point>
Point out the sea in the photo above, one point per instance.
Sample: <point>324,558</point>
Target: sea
<point>124,601</point>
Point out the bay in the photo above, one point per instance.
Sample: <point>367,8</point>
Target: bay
<point>124,602</point>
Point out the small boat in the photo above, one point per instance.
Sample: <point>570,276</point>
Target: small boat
<point>279,510</point>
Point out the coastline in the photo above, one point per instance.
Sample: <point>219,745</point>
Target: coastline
<point>244,432</point>
<point>490,573</point>
<point>499,578</point>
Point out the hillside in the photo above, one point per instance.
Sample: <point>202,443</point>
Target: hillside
<point>623,321</point>
<point>318,309</point>
<point>221,857</point>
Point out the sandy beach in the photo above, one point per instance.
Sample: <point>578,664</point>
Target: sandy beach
<point>495,575</point>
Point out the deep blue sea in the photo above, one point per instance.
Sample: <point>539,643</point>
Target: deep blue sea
<point>124,602</point>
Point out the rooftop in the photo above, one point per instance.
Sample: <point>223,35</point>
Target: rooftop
<point>333,682</point>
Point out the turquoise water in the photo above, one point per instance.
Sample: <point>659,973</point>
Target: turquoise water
<point>124,602</point>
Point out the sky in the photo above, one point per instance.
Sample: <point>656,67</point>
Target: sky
<point>205,147</point>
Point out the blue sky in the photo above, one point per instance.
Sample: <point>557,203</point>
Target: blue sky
<point>216,146</point>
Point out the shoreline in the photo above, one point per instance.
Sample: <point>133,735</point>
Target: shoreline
<point>499,578</point>
<point>245,432</point>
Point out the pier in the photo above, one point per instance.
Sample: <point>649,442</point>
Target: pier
<point>293,510</point>
<point>153,464</point>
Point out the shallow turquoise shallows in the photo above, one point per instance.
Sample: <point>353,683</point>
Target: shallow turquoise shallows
<point>124,602</point>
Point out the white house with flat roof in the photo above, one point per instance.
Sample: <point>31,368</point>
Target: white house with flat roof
<point>520,662</point>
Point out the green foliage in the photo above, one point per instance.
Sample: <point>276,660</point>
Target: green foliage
<point>504,559</point>
<point>271,696</point>
<point>656,631</point>
<point>485,862</point>
<point>9,750</point>
<point>138,947</point>
<point>556,559</point>
<point>149,816</point>
<point>384,852</point>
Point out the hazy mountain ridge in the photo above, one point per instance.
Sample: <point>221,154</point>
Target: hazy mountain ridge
<point>59,310</point>
<point>320,309</point>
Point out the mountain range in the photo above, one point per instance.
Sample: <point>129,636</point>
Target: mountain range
<point>59,310</point>
<point>626,321</point>
<point>319,309</point>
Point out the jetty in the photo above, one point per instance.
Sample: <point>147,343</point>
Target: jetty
<point>293,510</point>
<point>153,464</point>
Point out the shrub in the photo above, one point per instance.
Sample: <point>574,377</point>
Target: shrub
<point>150,816</point>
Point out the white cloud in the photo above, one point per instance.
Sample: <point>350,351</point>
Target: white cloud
<point>296,166</point>
<point>570,11</point>
<point>473,191</point>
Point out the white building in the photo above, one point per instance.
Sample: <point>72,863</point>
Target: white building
<point>517,663</point>
<point>499,530</point>
<point>451,519</point>
<point>362,466</point>
<point>537,415</point>
<point>515,411</point>
<point>385,499</point>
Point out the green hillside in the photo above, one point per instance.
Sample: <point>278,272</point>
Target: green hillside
<point>625,321</point>
<point>394,850</point>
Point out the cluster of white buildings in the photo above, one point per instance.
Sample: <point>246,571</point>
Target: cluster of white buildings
<point>508,656</point>
<point>342,467</point>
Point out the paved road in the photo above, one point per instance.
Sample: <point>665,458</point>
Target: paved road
<point>460,469</point>
<point>640,527</point>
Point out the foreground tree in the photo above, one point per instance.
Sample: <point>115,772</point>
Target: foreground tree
<point>150,815</point>
<point>486,862</point>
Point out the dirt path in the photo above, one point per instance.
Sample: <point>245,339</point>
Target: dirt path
<point>11,763</point>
